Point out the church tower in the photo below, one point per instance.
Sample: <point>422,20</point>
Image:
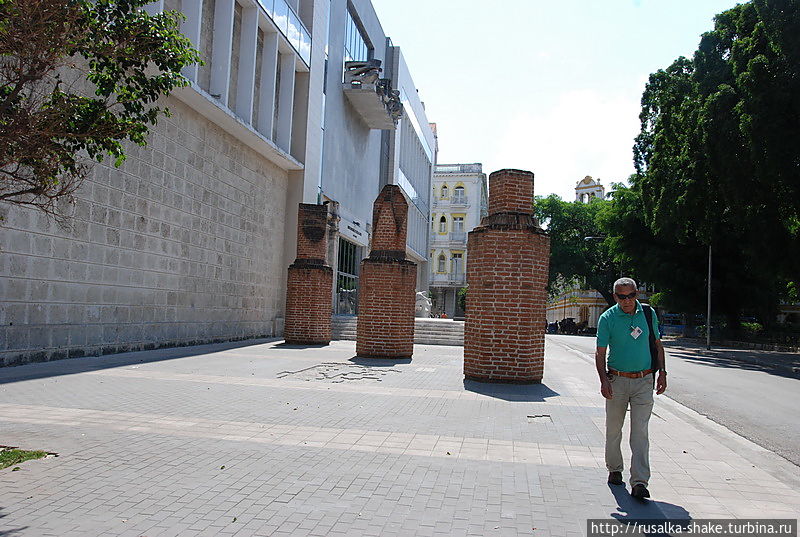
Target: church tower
<point>587,189</point>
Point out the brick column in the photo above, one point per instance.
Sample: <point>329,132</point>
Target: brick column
<point>309,299</point>
<point>507,270</point>
<point>387,284</point>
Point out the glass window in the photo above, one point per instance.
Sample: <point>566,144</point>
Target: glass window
<point>444,191</point>
<point>457,263</point>
<point>347,265</point>
<point>458,194</point>
<point>281,17</point>
<point>458,223</point>
<point>443,225</point>
<point>355,43</point>
<point>442,262</point>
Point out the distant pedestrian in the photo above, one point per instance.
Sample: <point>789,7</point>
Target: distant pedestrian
<point>628,379</point>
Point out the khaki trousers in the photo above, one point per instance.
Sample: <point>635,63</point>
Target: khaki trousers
<point>639,394</point>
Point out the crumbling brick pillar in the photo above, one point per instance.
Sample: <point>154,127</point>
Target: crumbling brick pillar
<point>388,282</point>
<point>309,298</point>
<point>507,270</point>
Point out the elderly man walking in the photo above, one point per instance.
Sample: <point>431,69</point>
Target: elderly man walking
<point>627,379</point>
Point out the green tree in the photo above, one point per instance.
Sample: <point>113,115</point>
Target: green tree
<point>78,78</point>
<point>718,162</point>
<point>578,250</point>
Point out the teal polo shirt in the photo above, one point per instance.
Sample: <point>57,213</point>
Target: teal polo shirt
<point>614,331</point>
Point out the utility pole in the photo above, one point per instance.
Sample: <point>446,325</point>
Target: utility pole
<point>708,313</point>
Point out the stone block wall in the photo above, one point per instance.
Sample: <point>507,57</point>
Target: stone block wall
<point>507,273</point>
<point>309,302</point>
<point>183,244</point>
<point>388,282</point>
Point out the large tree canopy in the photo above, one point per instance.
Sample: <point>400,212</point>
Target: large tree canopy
<point>718,163</point>
<point>577,247</point>
<point>77,79</point>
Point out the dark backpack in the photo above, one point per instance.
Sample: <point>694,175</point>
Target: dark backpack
<point>648,315</point>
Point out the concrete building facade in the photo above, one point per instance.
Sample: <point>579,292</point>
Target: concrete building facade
<point>189,241</point>
<point>460,200</point>
<point>363,150</point>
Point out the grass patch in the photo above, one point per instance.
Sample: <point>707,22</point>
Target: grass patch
<point>10,457</point>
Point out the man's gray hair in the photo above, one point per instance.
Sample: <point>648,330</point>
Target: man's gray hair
<point>624,282</point>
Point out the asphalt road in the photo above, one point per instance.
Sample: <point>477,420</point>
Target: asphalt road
<point>759,404</point>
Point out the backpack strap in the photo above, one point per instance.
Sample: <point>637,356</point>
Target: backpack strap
<point>648,315</point>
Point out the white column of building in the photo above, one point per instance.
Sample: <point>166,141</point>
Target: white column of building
<point>190,27</point>
<point>269,70</point>
<point>285,101</point>
<point>221,53</point>
<point>245,85</point>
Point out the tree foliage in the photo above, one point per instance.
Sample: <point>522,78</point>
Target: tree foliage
<point>78,78</point>
<point>578,251</point>
<point>718,163</point>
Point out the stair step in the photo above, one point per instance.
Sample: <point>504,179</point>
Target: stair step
<point>426,331</point>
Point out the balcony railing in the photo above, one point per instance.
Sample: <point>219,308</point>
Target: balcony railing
<point>459,168</point>
<point>373,98</point>
<point>458,236</point>
<point>459,200</point>
<point>448,280</point>
<point>290,26</point>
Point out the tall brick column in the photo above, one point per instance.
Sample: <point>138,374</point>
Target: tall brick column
<point>388,283</point>
<point>309,299</point>
<point>507,271</point>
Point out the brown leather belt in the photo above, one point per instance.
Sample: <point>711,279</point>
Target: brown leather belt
<point>631,375</point>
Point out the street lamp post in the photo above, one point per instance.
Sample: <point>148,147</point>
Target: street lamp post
<point>708,312</point>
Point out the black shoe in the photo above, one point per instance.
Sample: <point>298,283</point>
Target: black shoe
<point>640,492</point>
<point>615,478</point>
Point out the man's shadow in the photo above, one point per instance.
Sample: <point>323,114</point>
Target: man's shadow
<point>630,510</point>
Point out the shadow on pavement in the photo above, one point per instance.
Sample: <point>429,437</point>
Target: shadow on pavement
<point>632,511</point>
<point>779,365</point>
<point>10,531</point>
<point>72,366</point>
<point>301,346</point>
<point>379,362</point>
<point>531,393</point>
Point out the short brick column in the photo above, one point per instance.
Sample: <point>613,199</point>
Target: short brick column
<point>309,298</point>
<point>387,284</point>
<point>507,270</point>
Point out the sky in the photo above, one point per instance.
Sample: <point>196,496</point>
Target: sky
<point>550,86</point>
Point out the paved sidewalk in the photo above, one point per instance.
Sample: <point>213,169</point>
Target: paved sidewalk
<point>265,439</point>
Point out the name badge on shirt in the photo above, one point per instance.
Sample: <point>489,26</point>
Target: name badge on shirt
<point>636,332</point>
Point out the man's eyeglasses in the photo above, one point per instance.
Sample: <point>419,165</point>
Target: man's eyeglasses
<point>625,297</point>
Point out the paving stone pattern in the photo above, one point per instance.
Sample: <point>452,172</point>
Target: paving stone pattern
<point>220,440</point>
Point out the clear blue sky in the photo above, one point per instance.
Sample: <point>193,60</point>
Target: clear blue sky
<point>548,86</point>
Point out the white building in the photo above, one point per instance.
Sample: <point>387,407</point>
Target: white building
<point>588,189</point>
<point>190,239</point>
<point>460,200</point>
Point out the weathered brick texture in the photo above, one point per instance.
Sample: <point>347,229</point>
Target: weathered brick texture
<point>385,326</point>
<point>511,191</point>
<point>387,283</point>
<point>308,294</point>
<point>507,272</point>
